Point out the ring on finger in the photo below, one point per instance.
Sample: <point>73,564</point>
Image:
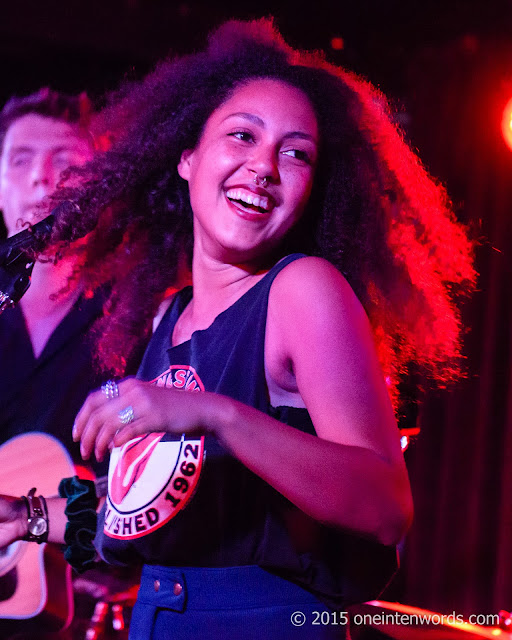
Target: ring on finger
<point>110,389</point>
<point>126,415</point>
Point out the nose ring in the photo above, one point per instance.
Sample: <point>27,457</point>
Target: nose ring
<point>258,180</point>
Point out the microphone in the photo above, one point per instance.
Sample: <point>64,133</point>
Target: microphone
<point>25,240</point>
<point>28,239</point>
<point>16,263</point>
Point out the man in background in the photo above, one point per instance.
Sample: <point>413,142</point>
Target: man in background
<point>46,366</point>
<point>46,357</point>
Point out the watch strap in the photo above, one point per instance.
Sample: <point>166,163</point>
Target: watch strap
<point>37,515</point>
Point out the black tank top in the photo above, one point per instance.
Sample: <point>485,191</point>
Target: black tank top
<point>190,503</point>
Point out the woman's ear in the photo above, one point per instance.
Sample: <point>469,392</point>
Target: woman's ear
<point>184,164</point>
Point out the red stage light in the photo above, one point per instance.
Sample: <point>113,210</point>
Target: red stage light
<point>506,124</point>
<point>337,43</point>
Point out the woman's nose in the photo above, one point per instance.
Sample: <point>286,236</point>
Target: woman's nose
<point>263,163</point>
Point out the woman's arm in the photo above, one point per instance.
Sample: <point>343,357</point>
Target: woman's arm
<point>346,486</point>
<point>320,338</point>
<point>320,349</point>
<point>352,475</point>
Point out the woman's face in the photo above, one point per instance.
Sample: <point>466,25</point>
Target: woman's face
<point>268,129</point>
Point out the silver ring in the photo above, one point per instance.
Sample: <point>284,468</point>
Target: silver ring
<point>110,389</point>
<point>126,415</point>
<point>258,180</point>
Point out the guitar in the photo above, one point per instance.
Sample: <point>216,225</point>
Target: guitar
<point>26,569</point>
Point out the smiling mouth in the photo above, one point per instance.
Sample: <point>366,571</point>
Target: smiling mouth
<point>249,201</point>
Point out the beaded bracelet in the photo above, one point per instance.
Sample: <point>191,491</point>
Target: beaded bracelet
<point>81,506</point>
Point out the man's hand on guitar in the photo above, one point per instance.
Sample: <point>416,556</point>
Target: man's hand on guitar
<point>13,519</point>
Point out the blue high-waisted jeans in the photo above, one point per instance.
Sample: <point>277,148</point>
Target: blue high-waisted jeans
<point>234,603</point>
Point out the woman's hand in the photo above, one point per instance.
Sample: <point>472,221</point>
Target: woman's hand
<point>13,519</point>
<point>99,424</point>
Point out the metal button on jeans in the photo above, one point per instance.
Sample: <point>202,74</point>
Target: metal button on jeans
<point>178,588</point>
<point>157,585</point>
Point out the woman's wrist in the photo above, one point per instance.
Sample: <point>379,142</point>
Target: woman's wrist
<point>217,414</point>
<point>20,517</point>
<point>223,419</point>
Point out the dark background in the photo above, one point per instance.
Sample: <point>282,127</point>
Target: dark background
<point>447,66</point>
<point>77,43</point>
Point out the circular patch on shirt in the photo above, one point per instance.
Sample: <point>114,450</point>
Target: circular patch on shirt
<point>150,478</point>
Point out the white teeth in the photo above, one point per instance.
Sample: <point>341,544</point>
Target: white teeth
<point>249,198</point>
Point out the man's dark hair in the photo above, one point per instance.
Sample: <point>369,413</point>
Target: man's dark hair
<point>50,104</point>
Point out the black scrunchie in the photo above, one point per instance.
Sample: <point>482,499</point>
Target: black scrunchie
<point>81,506</point>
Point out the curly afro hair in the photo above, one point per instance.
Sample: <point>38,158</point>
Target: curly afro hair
<point>374,213</point>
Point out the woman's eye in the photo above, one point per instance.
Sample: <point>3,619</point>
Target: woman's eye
<point>245,136</point>
<point>299,154</point>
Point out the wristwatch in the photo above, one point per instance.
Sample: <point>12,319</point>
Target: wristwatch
<point>37,523</point>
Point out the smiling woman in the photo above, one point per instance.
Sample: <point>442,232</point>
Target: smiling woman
<point>274,144</point>
<point>276,484</point>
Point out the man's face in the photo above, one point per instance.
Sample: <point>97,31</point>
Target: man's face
<point>36,150</point>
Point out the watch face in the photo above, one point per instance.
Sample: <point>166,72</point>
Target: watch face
<point>37,526</point>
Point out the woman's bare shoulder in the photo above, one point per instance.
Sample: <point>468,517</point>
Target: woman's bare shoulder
<point>314,285</point>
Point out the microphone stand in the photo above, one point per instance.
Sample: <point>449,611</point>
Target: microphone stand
<point>14,279</point>
<point>16,265</point>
